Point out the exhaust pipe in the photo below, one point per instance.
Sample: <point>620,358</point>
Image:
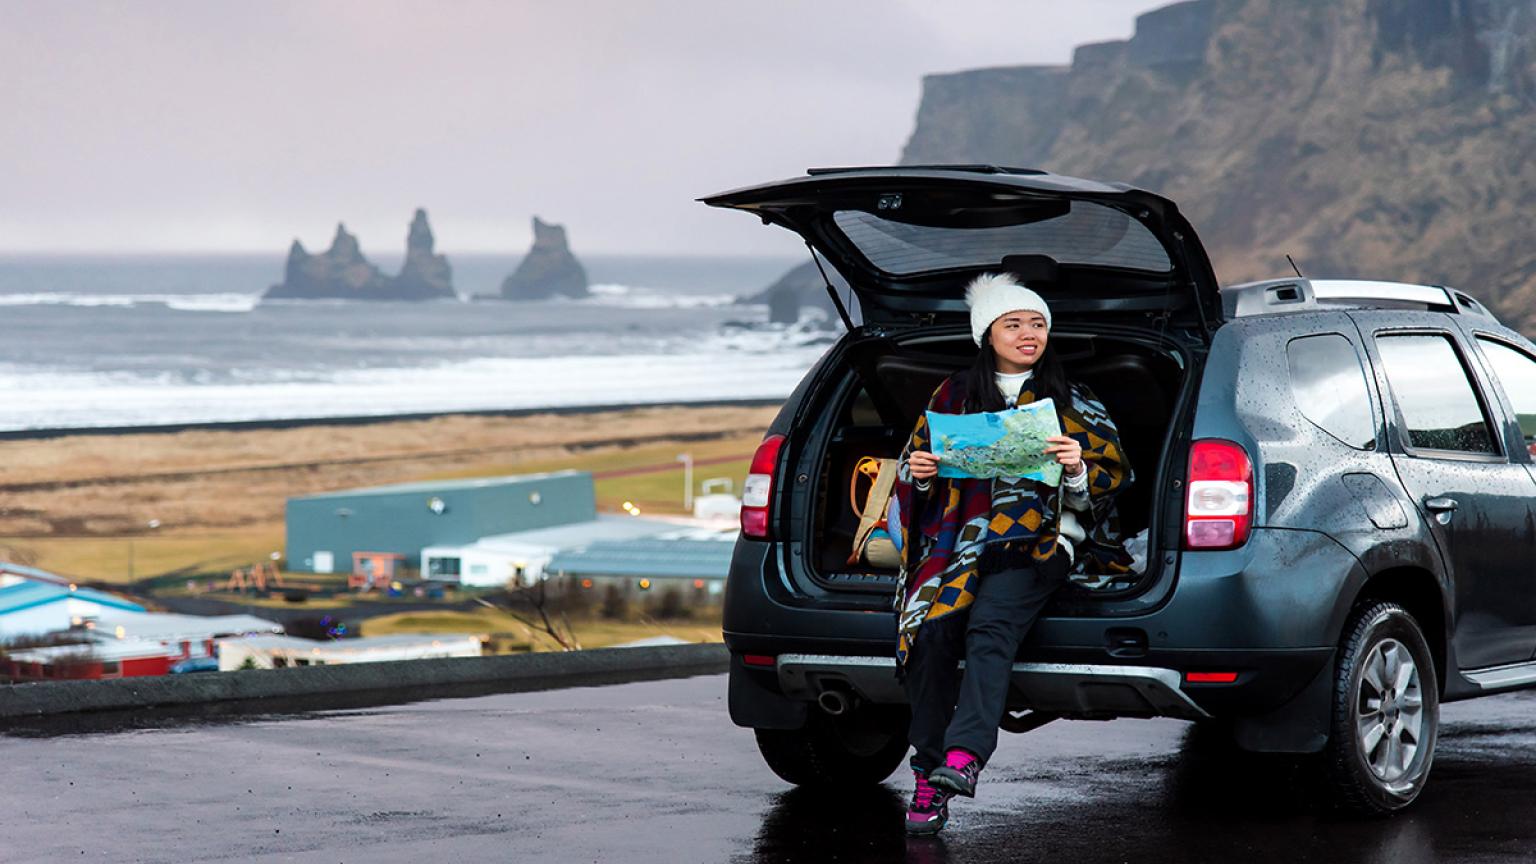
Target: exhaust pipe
<point>835,702</point>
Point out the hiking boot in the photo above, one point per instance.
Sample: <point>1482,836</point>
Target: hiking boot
<point>929,809</point>
<point>958,774</point>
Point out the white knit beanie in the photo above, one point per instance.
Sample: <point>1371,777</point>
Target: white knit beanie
<point>993,295</point>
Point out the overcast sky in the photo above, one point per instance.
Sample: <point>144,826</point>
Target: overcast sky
<point>202,125</point>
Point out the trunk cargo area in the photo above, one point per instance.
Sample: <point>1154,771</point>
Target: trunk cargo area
<point>886,387</point>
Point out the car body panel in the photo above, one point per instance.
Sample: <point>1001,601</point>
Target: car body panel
<point>1485,542</point>
<point>1277,629</point>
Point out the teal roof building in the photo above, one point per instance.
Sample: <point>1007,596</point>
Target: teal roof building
<point>29,595</point>
<point>33,602</point>
<point>323,531</point>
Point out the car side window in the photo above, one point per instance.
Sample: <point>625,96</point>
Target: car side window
<point>1430,385</point>
<point>1516,372</point>
<point>1328,385</point>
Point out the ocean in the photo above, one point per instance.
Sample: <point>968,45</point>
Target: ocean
<point>113,341</point>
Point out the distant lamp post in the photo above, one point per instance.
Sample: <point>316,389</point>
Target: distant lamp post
<point>687,460</point>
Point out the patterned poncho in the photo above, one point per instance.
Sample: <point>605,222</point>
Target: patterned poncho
<point>945,529</point>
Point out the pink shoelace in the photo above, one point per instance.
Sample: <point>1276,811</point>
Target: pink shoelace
<point>923,797</point>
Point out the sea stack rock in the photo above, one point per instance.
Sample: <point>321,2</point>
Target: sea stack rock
<point>801,286</point>
<point>424,275</point>
<point>341,272</point>
<point>549,270</point>
<point>783,305</point>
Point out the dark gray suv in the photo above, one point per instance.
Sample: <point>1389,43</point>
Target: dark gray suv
<point>1333,516</point>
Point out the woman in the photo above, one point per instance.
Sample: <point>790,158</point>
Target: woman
<point>982,557</point>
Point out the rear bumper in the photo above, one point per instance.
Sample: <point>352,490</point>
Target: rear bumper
<point>1270,611</point>
<point>1284,590</point>
<point>1069,689</point>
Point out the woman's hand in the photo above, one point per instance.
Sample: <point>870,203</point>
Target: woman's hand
<point>924,465</point>
<point>1068,452</point>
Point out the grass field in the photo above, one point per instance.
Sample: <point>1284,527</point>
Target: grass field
<point>120,560</point>
<point>217,497</point>
<point>654,491</point>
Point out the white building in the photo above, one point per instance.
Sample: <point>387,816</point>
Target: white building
<point>520,558</point>
<point>31,607</point>
<point>183,637</point>
<point>34,603</point>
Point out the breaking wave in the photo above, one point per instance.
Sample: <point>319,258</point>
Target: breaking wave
<point>181,302</point>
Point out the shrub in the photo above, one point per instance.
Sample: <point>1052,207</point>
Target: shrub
<point>614,604</point>
<point>574,599</point>
<point>671,605</point>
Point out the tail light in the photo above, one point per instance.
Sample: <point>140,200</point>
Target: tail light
<point>1219,511</point>
<point>757,493</point>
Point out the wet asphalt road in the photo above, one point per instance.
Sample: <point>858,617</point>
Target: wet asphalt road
<point>655,772</point>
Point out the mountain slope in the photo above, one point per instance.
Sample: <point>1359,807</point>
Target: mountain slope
<point>1372,138</point>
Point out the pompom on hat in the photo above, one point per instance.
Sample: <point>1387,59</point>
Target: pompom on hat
<point>993,295</point>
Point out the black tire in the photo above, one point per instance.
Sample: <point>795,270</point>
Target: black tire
<point>860,748</point>
<point>1386,713</point>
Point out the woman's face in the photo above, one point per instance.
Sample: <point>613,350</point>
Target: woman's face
<point>1018,339</point>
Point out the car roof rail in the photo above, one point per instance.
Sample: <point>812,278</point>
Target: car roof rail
<point>1280,296</point>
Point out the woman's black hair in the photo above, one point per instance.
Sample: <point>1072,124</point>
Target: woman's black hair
<point>1049,380</point>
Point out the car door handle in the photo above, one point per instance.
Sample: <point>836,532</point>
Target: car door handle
<point>1440,505</point>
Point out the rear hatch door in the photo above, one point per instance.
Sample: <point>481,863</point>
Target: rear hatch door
<point>907,240</point>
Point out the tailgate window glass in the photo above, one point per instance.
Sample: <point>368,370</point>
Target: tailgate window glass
<point>1329,387</point>
<point>1430,384</point>
<point>1516,372</point>
<point>1086,233</point>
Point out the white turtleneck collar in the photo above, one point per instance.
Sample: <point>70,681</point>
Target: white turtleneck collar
<point>1011,384</point>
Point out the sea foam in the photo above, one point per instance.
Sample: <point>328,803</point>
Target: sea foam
<point>766,369</point>
<point>183,302</point>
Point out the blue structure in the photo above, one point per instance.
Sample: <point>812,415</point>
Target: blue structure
<point>325,530</point>
<point>647,558</point>
<point>694,563</point>
<point>37,602</point>
<point>30,594</point>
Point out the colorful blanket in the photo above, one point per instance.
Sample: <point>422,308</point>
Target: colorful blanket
<point>945,529</point>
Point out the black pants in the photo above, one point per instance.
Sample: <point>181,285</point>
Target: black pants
<point>953,711</point>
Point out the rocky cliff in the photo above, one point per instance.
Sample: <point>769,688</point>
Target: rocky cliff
<point>801,286</point>
<point>342,273</point>
<point>1372,138</point>
<point>548,270</point>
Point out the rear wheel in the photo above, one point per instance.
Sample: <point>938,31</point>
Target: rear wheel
<point>1386,712</point>
<point>859,748</point>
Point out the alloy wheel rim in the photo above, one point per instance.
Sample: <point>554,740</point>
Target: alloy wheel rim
<point>1390,703</point>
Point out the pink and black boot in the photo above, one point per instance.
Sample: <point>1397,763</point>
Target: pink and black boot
<point>958,774</point>
<point>929,809</point>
